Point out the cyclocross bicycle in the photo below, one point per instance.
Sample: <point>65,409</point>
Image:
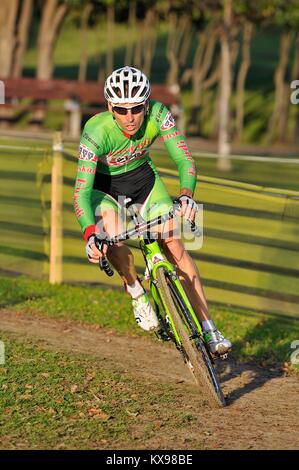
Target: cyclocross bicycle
<point>177,318</point>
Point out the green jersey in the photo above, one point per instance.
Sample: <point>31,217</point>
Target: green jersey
<point>107,149</point>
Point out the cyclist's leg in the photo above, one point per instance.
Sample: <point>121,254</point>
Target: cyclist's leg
<point>108,220</point>
<point>158,203</point>
<point>189,276</point>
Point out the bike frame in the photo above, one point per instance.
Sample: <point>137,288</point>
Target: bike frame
<point>155,259</point>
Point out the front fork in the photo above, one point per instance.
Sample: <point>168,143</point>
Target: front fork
<point>154,259</point>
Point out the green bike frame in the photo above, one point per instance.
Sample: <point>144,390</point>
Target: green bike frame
<point>154,259</point>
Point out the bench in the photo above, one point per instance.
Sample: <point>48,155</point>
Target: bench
<point>80,100</point>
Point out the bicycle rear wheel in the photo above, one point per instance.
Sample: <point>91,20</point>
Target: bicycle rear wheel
<point>193,348</point>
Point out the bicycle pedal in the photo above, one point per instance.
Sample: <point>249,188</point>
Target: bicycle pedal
<point>161,334</point>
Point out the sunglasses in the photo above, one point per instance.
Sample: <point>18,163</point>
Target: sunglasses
<point>123,111</point>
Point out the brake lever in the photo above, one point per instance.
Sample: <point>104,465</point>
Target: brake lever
<point>194,229</point>
<point>103,262</point>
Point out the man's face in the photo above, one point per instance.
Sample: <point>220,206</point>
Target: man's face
<point>132,120</point>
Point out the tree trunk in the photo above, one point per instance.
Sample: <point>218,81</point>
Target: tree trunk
<point>130,34</point>
<point>214,134</point>
<point>172,48</point>
<point>22,38</point>
<point>186,40</point>
<point>110,35</point>
<point>150,35</point>
<point>8,16</point>
<point>137,58</point>
<point>295,76</point>
<point>247,33</point>
<point>84,42</point>
<point>276,123</point>
<point>224,163</point>
<point>52,18</point>
<point>201,66</point>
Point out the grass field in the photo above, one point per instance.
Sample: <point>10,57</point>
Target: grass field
<point>53,400</point>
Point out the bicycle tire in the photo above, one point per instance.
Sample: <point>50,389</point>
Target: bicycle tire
<point>200,364</point>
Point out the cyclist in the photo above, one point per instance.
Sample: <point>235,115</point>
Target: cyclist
<point>114,164</point>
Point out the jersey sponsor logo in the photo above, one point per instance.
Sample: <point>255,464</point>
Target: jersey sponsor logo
<point>87,155</point>
<point>127,155</point>
<point>80,183</point>
<point>171,135</point>
<point>79,211</point>
<point>168,122</point>
<point>84,169</point>
<point>123,159</point>
<point>87,137</point>
<point>181,145</point>
<point>159,113</point>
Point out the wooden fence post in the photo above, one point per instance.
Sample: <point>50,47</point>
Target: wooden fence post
<point>55,276</point>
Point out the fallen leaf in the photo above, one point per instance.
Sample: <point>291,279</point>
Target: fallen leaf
<point>29,387</point>
<point>45,375</point>
<point>286,368</point>
<point>98,413</point>
<point>159,424</point>
<point>130,413</point>
<point>25,397</point>
<point>91,376</point>
<point>79,404</point>
<point>74,388</point>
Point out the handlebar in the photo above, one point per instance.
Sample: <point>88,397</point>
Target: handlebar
<point>139,229</point>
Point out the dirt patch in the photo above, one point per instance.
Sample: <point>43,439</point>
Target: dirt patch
<point>262,411</point>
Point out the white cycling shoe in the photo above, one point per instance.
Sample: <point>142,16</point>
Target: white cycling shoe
<point>144,313</point>
<point>216,342</point>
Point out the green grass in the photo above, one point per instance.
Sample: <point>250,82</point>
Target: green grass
<point>54,400</point>
<point>105,307</point>
<point>269,174</point>
<point>256,336</point>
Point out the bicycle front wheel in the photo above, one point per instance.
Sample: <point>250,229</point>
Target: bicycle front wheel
<point>193,349</point>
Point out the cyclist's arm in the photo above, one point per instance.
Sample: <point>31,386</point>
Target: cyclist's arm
<point>177,148</point>
<point>86,169</point>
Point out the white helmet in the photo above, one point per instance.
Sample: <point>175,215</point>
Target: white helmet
<point>127,85</point>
